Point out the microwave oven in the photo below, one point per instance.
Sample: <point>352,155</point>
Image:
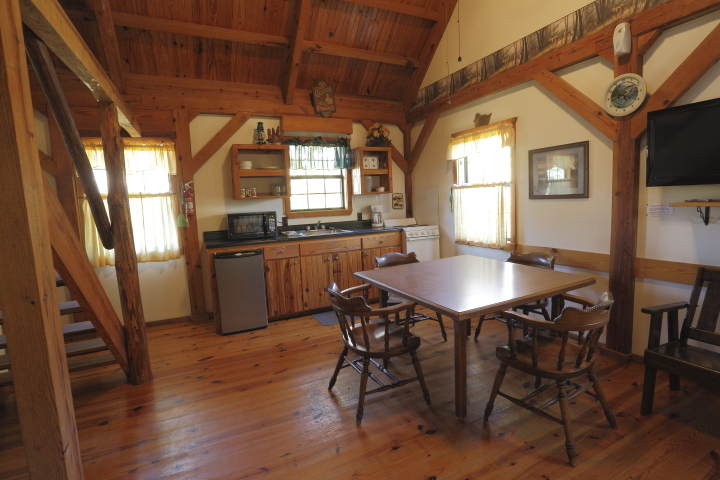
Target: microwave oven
<point>251,225</point>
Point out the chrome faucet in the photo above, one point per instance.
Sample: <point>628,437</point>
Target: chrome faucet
<point>318,225</point>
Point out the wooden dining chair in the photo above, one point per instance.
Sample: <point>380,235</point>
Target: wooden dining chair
<point>393,259</point>
<point>372,336</point>
<point>532,259</point>
<point>553,359</point>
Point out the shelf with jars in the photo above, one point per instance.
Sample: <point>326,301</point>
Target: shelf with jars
<point>372,170</point>
<point>260,171</point>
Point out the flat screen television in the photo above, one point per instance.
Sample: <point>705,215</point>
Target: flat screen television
<point>684,145</point>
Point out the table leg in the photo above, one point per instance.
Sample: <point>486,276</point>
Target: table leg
<point>555,306</point>
<point>460,327</point>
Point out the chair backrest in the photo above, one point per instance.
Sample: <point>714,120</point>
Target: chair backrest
<point>533,259</point>
<point>704,330</point>
<point>591,320</point>
<point>394,258</point>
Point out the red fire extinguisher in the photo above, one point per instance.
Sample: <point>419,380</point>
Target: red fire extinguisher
<point>189,197</point>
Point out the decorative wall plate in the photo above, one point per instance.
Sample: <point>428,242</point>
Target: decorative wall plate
<point>625,94</point>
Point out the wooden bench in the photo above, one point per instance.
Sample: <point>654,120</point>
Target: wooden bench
<point>696,362</point>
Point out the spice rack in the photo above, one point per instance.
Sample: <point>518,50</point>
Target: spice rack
<point>369,174</point>
<point>270,167</point>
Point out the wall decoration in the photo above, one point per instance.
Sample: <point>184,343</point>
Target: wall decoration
<point>559,172</point>
<point>398,201</point>
<point>625,94</point>
<point>571,28</point>
<point>323,98</point>
<point>378,135</point>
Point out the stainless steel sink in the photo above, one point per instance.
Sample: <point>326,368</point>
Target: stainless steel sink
<point>327,231</point>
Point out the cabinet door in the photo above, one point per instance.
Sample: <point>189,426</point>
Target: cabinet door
<point>283,286</point>
<point>316,277</point>
<point>369,262</point>
<point>344,265</point>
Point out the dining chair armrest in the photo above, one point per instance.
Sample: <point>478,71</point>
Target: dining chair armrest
<point>577,299</point>
<point>669,310</point>
<point>393,309</point>
<point>668,307</point>
<point>526,320</point>
<point>359,288</point>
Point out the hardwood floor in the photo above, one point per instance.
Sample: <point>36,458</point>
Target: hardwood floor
<point>256,405</point>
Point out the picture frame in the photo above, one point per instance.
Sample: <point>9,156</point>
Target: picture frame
<point>398,201</point>
<point>559,172</point>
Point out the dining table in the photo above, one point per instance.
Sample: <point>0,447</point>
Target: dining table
<point>467,286</point>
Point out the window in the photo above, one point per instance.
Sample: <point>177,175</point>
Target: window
<point>150,171</point>
<point>319,180</point>
<point>483,196</point>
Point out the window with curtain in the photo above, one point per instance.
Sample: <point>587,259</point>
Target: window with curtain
<point>483,196</point>
<point>318,179</point>
<point>150,170</point>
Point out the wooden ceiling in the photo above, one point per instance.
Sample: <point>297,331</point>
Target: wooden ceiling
<point>374,49</point>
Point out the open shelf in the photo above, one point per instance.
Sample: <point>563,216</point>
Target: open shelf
<point>699,204</point>
<point>270,167</point>
<point>368,174</point>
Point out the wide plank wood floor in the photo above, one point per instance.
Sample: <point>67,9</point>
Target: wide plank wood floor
<point>256,405</point>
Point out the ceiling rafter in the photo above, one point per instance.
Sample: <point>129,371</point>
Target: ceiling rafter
<point>292,68</point>
<point>108,40</point>
<point>403,8</point>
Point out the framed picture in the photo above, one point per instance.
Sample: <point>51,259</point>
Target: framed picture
<point>559,172</point>
<point>398,201</point>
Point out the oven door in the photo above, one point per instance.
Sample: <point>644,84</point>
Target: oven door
<point>246,225</point>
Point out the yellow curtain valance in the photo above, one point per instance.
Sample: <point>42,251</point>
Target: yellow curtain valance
<point>503,135</point>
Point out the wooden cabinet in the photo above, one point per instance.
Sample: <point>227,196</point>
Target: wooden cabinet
<point>266,168</point>
<point>372,169</point>
<point>283,286</point>
<point>318,271</point>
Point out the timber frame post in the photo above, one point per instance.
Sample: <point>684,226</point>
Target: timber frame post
<point>27,291</point>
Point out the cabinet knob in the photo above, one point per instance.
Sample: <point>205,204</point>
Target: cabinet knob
<point>327,259</point>
<point>296,263</point>
<point>382,241</point>
<point>282,251</point>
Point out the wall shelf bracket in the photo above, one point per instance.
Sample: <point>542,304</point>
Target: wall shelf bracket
<point>704,215</point>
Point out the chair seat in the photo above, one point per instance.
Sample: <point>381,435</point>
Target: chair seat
<point>547,359</point>
<point>376,335</point>
<point>690,361</point>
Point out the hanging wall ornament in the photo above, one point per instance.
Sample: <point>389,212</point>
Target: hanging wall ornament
<point>323,98</point>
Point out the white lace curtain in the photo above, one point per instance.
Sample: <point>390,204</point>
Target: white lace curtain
<point>482,203</point>
<point>152,203</point>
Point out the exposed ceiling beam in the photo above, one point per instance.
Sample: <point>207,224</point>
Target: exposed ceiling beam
<point>403,8</point>
<point>50,22</point>
<point>427,54</point>
<point>362,54</point>
<point>292,67</point>
<point>197,30</point>
<point>108,40</point>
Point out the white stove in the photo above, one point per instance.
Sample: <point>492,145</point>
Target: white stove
<point>424,240</point>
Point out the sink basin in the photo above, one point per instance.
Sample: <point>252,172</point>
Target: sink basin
<point>328,231</point>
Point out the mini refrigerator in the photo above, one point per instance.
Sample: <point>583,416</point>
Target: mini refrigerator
<point>240,279</point>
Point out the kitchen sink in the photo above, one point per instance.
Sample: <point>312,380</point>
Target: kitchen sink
<point>327,231</point>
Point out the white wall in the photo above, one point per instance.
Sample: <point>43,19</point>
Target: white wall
<point>543,121</point>
<point>213,182</point>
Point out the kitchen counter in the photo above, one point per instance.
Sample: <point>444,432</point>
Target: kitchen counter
<point>218,239</point>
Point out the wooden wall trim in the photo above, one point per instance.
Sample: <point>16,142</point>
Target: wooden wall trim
<point>50,22</point>
<point>217,141</point>
<point>303,123</point>
<point>598,262</point>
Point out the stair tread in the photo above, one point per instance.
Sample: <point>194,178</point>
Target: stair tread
<point>69,329</point>
<point>66,308</point>
<point>74,365</point>
<point>71,349</point>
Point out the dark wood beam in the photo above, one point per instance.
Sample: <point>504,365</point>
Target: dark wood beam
<point>126,267</point>
<point>196,30</point>
<point>214,144</point>
<point>31,319</point>
<point>65,179</point>
<point>685,76</point>
<point>50,22</point>
<point>427,53</point>
<point>578,102</point>
<point>362,54</point>
<point>407,148</point>
<point>297,41</point>
<point>403,8</point>
<point>422,140</point>
<point>108,40</point>
<point>191,243</point>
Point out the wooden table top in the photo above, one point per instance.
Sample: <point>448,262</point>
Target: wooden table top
<point>467,286</point>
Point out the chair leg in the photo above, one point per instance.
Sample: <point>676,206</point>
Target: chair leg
<point>565,414</point>
<point>421,378</point>
<point>340,362</point>
<point>363,387</point>
<point>603,401</point>
<point>646,405</point>
<point>499,377</point>
<point>674,382</point>
<point>477,330</point>
<point>442,326</point>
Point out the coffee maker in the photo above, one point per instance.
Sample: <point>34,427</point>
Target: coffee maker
<point>377,215</point>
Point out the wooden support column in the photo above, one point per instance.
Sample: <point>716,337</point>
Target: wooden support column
<point>191,243</point>
<point>31,319</point>
<point>126,267</point>
<point>407,148</point>
<point>623,229</point>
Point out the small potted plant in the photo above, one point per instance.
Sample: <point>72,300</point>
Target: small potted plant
<point>378,136</point>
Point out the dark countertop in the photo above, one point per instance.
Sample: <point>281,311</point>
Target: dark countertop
<point>218,239</point>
